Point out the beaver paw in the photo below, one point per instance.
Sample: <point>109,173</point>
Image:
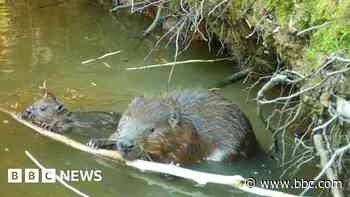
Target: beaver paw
<point>44,125</point>
<point>48,127</point>
<point>93,143</point>
<point>102,143</point>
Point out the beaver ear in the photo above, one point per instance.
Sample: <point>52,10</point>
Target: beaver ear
<point>174,119</point>
<point>45,94</point>
<point>49,95</point>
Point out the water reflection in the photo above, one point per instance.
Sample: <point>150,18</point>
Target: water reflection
<point>5,39</point>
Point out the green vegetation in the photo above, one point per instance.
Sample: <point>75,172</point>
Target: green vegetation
<point>277,25</point>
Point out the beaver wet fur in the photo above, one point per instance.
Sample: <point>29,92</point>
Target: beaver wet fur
<point>50,113</point>
<point>184,127</point>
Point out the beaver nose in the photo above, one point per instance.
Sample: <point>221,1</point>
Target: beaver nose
<point>125,145</point>
<point>27,113</point>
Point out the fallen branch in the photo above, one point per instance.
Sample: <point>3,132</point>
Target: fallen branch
<point>101,57</point>
<point>235,181</point>
<point>203,178</point>
<point>177,62</point>
<point>37,163</point>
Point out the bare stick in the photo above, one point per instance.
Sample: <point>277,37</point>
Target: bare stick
<point>235,181</point>
<point>178,32</point>
<point>175,63</point>
<point>280,79</point>
<point>114,9</point>
<point>216,6</point>
<point>326,164</point>
<point>325,125</point>
<point>101,57</point>
<point>203,178</point>
<point>149,4</point>
<point>36,162</point>
<point>275,80</point>
<point>313,28</point>
<point>155,21</point>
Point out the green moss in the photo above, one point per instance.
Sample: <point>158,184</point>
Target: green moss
<point>334,37</point>
<point>275,24</point>
<point>328,40</point>
<point>283,10</point>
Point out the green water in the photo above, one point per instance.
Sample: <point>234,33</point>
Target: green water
<point>48,40</point>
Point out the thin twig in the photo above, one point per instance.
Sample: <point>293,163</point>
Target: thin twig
<point>325,125</point>
<point>216,6</point>
<point>176,63</point>
<point>176,52</point>
<point>65,184</point>
<point>148,5</point>
<point>114,9</point>
<point>155,21</point>
<point>101,57</point>
<point>313,28</point>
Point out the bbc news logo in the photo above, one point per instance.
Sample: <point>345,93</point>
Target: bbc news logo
<point>33,175</point>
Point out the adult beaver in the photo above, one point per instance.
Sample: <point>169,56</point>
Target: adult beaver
<point>49,113</point>
<point>183,127</point>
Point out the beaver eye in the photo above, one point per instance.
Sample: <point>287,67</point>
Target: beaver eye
<point>60,108</point>
<point>43,108</point>
<point>152,130</point>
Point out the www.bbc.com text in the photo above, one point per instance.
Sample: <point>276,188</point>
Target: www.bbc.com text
<point>293,183</point>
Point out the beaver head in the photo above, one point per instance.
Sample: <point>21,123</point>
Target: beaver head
<point>153,129</point>
<point>44,109</point>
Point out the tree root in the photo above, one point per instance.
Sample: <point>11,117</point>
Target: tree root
<point>308,91</point>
